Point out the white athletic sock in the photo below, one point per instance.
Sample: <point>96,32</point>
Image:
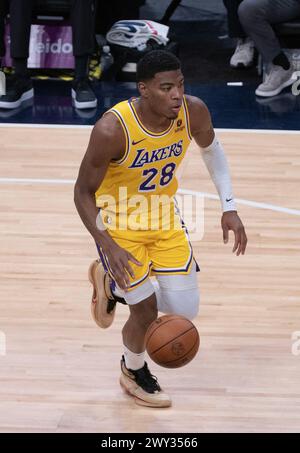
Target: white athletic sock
<point>133,361</point>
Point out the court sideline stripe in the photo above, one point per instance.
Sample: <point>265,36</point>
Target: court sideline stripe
<point>85,126</point>
<point>210,196</point>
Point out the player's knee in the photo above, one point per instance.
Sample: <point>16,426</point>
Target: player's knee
<point>144,312</point>
<point>182,303</point>
<point>148,316</point>
<point>247,11</point>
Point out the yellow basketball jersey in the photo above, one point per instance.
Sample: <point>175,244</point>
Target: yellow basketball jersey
<point>137,191</point>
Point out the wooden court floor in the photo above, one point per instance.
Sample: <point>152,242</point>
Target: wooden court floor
<point>59,372</point>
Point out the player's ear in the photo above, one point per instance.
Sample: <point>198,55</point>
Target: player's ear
<point>142,87</point>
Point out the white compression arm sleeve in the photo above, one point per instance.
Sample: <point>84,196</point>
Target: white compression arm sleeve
<point>216,163</point>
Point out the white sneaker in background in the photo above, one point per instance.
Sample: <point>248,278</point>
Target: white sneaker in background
<point>243,56</point>
<point>275,81</point>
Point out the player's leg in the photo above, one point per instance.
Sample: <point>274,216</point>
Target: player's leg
<point>83,33</point>
<point>178,294</point>
<point>19,87</point>
<point>143,311</point>
<point>136,378</point>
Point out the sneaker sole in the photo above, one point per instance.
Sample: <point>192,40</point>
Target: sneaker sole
<point>267,94</point>
<point>139,401</point>
<point>13,105</point>
<point>98,304</point>
<point>83,105</point>
<point>242,65</point>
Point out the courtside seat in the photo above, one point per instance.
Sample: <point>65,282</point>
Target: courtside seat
<point>289,37</point>
<point>291,28</point>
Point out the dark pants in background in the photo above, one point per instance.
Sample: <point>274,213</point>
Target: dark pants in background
<point>82,16</point>
<point>235,28</point>
<point>3,12</point>
<point>257,18</point>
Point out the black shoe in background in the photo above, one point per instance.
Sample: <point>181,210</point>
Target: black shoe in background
<point>18,90</point>
<point>82,94</point>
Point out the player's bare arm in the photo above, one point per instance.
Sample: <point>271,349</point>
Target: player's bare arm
<point>107,142</point>
<point>215,160</point>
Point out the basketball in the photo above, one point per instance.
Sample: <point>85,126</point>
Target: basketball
<point>172,341</point>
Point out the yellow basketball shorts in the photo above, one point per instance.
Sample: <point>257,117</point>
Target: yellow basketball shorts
<point>161,252</point>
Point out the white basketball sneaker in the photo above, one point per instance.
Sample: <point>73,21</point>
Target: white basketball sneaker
<point>243,56</point>
<point>276,80</point>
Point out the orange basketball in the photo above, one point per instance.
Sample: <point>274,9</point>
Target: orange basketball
<point>172,341</point>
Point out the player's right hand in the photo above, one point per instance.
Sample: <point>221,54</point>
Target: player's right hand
<point>118,259</point>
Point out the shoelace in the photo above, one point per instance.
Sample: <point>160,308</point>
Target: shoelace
<point>146,380</point>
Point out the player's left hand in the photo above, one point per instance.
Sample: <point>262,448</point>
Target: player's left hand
<point>231,221</point>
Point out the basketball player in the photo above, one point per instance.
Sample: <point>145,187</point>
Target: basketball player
<point>134,152</point>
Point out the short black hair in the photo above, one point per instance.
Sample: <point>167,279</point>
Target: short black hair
<point>154,62</point>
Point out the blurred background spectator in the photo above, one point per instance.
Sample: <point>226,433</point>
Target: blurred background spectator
<point>244,53</point>
<point>257,18</point>
<point>20,88</point>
